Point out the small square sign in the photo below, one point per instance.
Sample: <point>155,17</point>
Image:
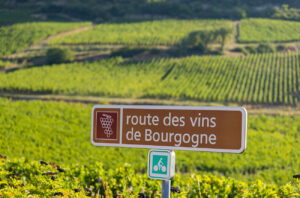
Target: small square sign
<point>106,125</point>
<point>161,164</point>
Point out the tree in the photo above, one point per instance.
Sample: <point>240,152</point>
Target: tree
<point>224,34</point>
<point>199,40</point>
<point>59,55</point>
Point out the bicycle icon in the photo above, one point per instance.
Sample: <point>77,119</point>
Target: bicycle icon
<point>160,166</point>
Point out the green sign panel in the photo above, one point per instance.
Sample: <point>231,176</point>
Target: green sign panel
<point>161,164</point>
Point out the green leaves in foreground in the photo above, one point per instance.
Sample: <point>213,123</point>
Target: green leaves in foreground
<point>22,178</point>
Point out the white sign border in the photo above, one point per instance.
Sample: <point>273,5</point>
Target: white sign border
<point>165,107</point>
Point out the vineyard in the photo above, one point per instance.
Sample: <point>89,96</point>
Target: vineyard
<point>255,79</point>
<point>19,36</point>
<point>160,32</point>
<point>20,178</point>
<point>268,30</point>
<point>60,133</point>
<point>152,52</point>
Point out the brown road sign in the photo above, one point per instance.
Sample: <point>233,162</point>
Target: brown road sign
<point>215,129</point>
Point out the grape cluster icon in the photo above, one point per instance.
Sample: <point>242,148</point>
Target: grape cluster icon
<point>106,122</point>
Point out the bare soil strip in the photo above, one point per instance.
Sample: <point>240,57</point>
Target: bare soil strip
<point>252,109</point>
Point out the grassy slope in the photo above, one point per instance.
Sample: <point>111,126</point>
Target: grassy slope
<point>257,79</point>
<point>268,30</point>
<point>60,133</point>
<point>160,32</point>
<point>19,36</point>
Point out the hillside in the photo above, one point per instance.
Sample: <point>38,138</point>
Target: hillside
<point>60,133</point>
<point>59,58</point>
<point>19,36</point>
<point>132,10</point>
<point>156,32</point>
<point>255,79</point>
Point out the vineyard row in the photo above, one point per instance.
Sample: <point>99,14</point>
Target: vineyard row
<point>255,79</point>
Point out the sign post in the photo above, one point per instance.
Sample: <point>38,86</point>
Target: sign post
<point>161,165</point>
<point>213,129</point>
<point>165,188</point>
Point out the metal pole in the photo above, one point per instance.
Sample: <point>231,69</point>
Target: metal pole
<point>165,188</point>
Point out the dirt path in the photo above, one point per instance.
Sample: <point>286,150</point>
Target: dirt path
<point>37,46</point>
<point>236,24</point>
<point>232,43</point>
<point>42,43</point>
<point>252,109</point>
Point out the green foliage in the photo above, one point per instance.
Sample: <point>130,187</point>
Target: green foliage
<point>199,41</point>
<point>114,77</point>
<point>260,49</point>
<point>223,34</point>
<point>59,55</point>
<point>12,16</point>
<point>284,12</point>
<point>266,48</point>
<point>239,13</point>
<point>20,178</point>
<point>4,64</point>
<point>249,49</point>
<point>157,32</point>
<point>19,36</point>
<point>103,10</point>
<point>60,133</point>
<point>127,52</point>
<point>255,79</point>
<point>268,30</point>
<point>281,47</point>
